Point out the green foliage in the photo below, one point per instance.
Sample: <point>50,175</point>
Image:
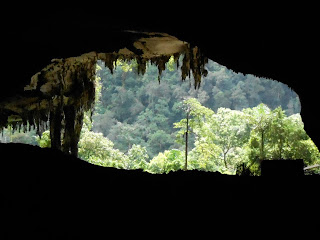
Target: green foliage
<point>44,141</point>
<point>159,140</point>
<point>28,137</point>
<point>170,65</point>
<point>126,66</point>
<point>229,139</point>
<point>275,136</point>
<point>132,108</point>
<point>95,148</point>
<point>259,119</point>
<point>200,117</point>
<point>137,120</point>
<point>232,133</point>
<point>170,160</point>
<point>137,157</point>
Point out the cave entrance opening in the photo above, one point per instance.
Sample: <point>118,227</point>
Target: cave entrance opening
<point>140,107</point>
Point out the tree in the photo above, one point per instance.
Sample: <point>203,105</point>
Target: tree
<point>121,102</point>
<point>134,108</point>
<point>161,114</point>
<point>157,164</point>
<point>298,145</point>
<point>155,90</point>
<point>205,156</point>
<point>123,135</point>
<point>259,118</point>
<point>103,122</point>
<point>231,133</point>
<point>254,88</point>
<point>169,160</point>
<point>238,97</point>
<point>277,133</point>
<point>220,98</point>
<point>198,121</point>
<point>293,106</point>
<point>44,141</point>
<point>137,157</point>
<point>95,148</point>
<point>24,137</point>
<point>276,136</point>
<point>159,141</point>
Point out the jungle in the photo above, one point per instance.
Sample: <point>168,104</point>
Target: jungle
<point>231,122</point>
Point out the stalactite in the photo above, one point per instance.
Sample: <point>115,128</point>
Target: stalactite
<point>160,62</point>
<point>55,128</point>
<point>69,131</point>
<point>185,68</point>
<point>65,88</point>
<point>176,57</point>
<point>142,65</point>
<point>77,131</point>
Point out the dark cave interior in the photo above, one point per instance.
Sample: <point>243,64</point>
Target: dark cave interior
<point>62,91</point>
<point>275,49</point>
<point>56,186</point>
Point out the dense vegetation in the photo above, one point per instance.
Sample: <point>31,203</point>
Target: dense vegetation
<point>223,141</point>
<point>141,123</point>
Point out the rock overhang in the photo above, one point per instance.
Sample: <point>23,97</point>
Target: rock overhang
<point>67,82</point>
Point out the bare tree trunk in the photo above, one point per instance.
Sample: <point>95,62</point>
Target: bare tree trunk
<point>280,148</point>
<point>225,159</point>
<point>262,147</point>
<point>186,151</point>
<point>186,162</point>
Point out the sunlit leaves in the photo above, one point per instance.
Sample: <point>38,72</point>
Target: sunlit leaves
<point>45,140</point>
<point>126,66</point>
<point>97,149</point>
<point>169,160</point>
<point>232,132</point>
<point>170,65</point>
<point>137,157</point>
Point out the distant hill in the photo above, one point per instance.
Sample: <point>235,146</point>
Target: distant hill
<point>133,108</point>
<point>140,109</point>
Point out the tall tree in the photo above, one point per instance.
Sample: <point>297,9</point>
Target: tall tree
<point>199,123</point>
<point>260,119</point>
<point>277,133</point>
<point>231,131</point>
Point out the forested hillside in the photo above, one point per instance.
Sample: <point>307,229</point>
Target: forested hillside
<point>233,121</point>
<point>135,109</point>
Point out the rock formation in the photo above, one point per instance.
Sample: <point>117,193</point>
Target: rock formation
<point>62,91</point>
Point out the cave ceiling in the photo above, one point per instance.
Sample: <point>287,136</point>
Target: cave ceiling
<point>65,89</point>
<point>273,43</point>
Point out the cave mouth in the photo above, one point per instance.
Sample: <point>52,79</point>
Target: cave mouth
<point>142,122</point>
<point>65,89</point>
<point>68,94</point>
